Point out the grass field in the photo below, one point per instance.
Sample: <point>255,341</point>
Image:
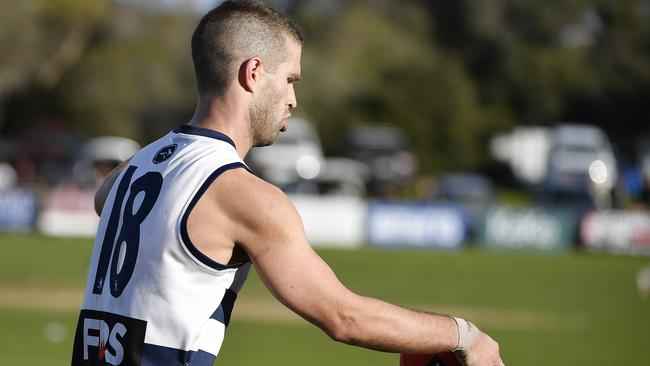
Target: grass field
<point>570,309</point>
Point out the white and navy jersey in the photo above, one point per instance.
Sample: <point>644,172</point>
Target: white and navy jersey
<point>152,298</point>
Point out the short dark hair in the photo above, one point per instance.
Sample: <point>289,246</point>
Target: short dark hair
<point>233,32</point>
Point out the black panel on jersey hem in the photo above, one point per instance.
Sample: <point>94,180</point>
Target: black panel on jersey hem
<point>224,311</point>
<point>156,355</point>
<point>193,130</point>
<point>185,234</point>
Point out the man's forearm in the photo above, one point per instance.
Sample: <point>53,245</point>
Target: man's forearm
<point>378,325</point>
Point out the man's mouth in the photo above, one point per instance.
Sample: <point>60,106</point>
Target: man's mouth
<point>285,124</point>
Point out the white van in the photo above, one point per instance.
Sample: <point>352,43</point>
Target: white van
<point>581,160</point>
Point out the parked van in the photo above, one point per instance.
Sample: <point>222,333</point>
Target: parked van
<point>581,163</point>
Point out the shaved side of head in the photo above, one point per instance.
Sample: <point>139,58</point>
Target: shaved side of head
<point>234,32</point>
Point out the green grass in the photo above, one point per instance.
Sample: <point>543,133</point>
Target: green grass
<point>38,260</point>
<point>569,309</point>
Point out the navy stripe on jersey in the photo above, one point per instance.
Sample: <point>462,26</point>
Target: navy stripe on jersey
<point>224,311</point>
<point>154,355</point>
<point>193,130</point>
<point>184,233</point>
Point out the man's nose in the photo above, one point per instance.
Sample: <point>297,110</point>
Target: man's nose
<point>293,102</point>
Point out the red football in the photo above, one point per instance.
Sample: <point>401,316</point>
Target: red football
<point>440,359</point>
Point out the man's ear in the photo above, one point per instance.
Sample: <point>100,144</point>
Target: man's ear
<point>250,73</point>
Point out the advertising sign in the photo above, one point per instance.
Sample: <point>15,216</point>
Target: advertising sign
<point>17,210</point>
<point>392,224</point>
<point>617,231</point>
<point>527,228</point>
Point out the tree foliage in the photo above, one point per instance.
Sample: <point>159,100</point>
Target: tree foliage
<point>370,65</point>
<point>450,74</point>
<point>104,67</point>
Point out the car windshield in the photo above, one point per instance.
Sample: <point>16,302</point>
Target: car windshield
<point>579,149</point>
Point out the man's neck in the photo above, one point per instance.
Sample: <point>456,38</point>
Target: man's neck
<point>225,116</point>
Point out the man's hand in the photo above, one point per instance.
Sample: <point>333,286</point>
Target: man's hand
<point>484,352</point>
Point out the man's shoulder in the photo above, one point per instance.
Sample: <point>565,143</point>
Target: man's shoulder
<point>250,200</point>
<point>259,215</point>
<point>241,184</point>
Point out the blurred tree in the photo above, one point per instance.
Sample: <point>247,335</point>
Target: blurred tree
<point>42,41</point>
<point>137,79</point>
<point>105,67</point>
<point>449,73</point>
<point>621,58</point>
<point>579,60</point>
<point>374,64</point>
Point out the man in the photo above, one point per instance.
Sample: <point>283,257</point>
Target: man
<point>184,219</point>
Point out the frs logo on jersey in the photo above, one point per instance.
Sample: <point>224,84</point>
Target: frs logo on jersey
<point>164,153</point>
<point>108,339</point>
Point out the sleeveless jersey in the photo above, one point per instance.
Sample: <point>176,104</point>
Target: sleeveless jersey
<point>152,298</point>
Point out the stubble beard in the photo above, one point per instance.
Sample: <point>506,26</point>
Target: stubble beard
<point>265,119</point>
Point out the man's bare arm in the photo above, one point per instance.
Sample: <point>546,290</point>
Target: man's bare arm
<point>270,230</point>
<point>105,188</point>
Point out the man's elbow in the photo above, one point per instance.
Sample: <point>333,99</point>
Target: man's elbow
<point>100,199</point>
<point>344,327</point>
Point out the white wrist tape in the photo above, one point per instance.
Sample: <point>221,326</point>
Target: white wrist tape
<point>467,334</point>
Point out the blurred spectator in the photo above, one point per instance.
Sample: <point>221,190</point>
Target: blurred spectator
<point>644,164</point>
<point>630,183</point>
<point>645,191</point>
